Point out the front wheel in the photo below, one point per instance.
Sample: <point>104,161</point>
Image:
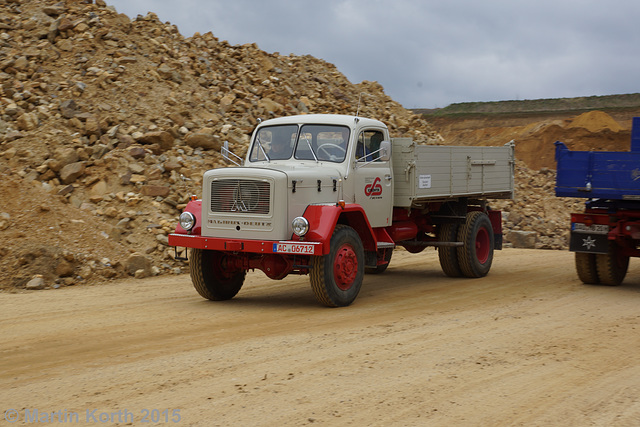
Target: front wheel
<point>476,255</point>
<point>213,276</point>
<point>336,278</point>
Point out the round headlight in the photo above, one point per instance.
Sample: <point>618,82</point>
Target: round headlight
<point>300,226</point>
<point>187,220</point>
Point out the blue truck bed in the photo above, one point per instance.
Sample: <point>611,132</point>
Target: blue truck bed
<point>613,175</point>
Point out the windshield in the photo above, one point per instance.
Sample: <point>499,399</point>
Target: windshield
<point>329,143</point>
<point>312,142</point>
<point>274,143</point>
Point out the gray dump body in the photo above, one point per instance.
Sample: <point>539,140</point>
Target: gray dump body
<point>429,173</point>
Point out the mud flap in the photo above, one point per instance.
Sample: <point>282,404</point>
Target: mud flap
<point>589,243</point>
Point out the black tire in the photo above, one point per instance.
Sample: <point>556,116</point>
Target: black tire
<point>587,268</point>
<point>476,256</point>
<point>448,255</point>
<point>379,269</point>
<point>336,278</point>
<point>612,267</point>
<point>211,276</point>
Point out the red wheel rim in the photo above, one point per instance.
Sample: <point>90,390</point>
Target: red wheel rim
<point>345,267</point>
<point>483,243</point>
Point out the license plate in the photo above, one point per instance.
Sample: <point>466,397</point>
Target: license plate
<point>578,227</point>
<point>294,248</point>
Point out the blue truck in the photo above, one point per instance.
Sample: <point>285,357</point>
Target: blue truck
<point>607,233</point>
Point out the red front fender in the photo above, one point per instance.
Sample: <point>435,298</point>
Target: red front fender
<point>195,207</point>
<point>323,219</point>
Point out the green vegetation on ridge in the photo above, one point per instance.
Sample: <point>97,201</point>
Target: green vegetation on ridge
<point>584,103</point>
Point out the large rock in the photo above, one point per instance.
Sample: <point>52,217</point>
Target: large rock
<point>68,109</point>
<point>5,220</point>
<point>271,105</point>
<point>162,139</point>
<point>168,73</point>
<point>204,140</point>
<point>99,189</point>
<point>71,172</point>
<point>137,152</point>
<point>155,190</point>
<point>137,261</point>
<point>65,45</point>
<point>54,10</point>
<point>28,121</point>
<point>36,283</point>
<point>227,100</point>
<point>64,268</point>
<point>522,239</point>
<point>63,157</point>
<point>92,126</point>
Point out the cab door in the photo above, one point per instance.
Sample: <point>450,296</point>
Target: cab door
<point>373,178</point>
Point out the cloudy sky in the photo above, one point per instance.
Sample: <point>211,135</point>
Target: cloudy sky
<point>431,53</point>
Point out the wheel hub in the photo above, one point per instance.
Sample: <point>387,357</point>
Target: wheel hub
<point>483,244</point>
<point>345,267</point>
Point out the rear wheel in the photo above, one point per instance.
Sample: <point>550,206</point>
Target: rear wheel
<point>586,266</point>
<point>448,255</point>
<point>476,256</point>
<point>212,276</point>
<point>336,278</point>
<point>612,267</point>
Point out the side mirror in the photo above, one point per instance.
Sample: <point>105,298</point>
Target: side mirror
<point>385,151</point>
<point>226,154</point>
<point>225,151</point>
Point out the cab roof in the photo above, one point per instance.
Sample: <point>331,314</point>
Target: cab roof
<point>324,119</point>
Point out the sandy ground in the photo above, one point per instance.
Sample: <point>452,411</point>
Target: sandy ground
<point>527,345</point>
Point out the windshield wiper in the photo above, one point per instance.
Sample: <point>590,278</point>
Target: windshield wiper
<point>262,148</point>
<point>311,148</point>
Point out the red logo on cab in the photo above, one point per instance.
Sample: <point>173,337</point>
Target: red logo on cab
<point>373,189</point>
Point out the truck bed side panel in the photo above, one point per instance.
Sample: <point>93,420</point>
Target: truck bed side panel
<point>424,172</point>
<point>597,174</point>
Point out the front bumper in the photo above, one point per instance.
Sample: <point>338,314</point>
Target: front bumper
<point>243,245</point>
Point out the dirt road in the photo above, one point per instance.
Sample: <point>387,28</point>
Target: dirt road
<point>527,345</point>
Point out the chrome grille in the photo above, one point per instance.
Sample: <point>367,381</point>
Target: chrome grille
<point>240,196</point>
